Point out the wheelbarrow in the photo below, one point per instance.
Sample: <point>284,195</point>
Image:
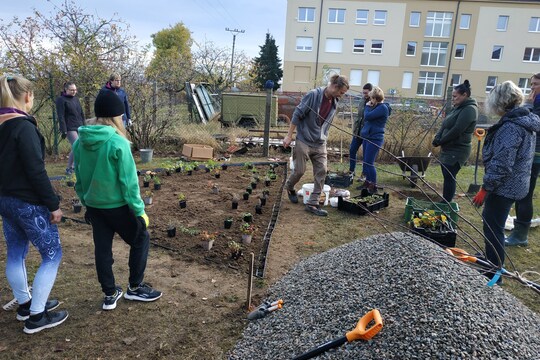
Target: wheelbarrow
<point>416,165</point>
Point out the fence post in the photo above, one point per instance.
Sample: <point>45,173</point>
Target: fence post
<point>269,86</point>
<point>53,109</point>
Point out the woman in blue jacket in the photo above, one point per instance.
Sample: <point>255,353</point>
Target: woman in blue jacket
<point>376,114</point>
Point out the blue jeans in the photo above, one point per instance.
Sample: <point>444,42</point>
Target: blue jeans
<point>496,209</point>
<point>524,207</point>
<point>449,173</point>
<point>25,223</point>
<point>371,149</point>
<point>353,150</point>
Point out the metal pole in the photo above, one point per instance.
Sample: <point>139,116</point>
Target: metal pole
<point>55,126</point>
<point>266,138</point>
<point>234,32</point>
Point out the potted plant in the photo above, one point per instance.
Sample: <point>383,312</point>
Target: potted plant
<point>267,180</point>
<point>247,217</point>
<point>434,226</point>
<point>157,183</point>
<point>271,175</point>
<point>171,229</point>
<point>77,206</point>
<point>189,168</point>
<point>146,180</point>
<point>245,195</point>
<point>178,166</point>
<point>207,239</point>
<point>247,231</point>
<point>236,249</point>
<point>211,164</point>
<point>182,200</point>
<point>148,197</point>
<point>249,189</point>
<point>248,165</point>
<point>70,180</point>
<point>224,166</point>
<point>266,193</point>
<point>235,201</point>
<point>228,223</point>
<point>253,184</point>
<point>262,200</point>
<point>258,209</point>
<point>217,174</point>
<point>215,188</point>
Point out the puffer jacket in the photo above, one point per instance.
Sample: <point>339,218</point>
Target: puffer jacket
<point>375,118</point>
<point>508,153</point>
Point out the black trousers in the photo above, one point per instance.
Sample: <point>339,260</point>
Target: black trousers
<point>132,229</point>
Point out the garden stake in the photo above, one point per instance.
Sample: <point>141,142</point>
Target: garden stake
<point>358,333</point>
<point>479,134</point>
<point>250,280</point>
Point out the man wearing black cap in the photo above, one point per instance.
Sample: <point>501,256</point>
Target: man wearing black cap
<point>108,186</point>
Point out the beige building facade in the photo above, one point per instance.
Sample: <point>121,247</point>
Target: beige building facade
<point>412,48</point>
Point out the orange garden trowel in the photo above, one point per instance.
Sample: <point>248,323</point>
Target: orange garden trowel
<point>358,333</point>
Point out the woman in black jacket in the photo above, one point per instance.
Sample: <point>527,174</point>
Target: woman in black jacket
<point>28,206</point>
<point>70,117</point>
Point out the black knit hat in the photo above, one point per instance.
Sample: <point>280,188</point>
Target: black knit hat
<point>108,104</point>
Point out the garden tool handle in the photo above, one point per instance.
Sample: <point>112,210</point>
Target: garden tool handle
<point>462,255</point>
<point>479,133</point>
<point>360,332</point>
<point>322,348</point>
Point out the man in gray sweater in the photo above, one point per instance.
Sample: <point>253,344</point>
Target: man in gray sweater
<point>311,120</point>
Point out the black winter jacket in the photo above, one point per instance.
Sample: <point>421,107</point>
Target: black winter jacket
<point>70,114</point>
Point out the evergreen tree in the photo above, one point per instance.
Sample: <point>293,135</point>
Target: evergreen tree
<point>268,65</point>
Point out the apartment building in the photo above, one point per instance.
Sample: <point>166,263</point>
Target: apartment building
<point>412,48</point>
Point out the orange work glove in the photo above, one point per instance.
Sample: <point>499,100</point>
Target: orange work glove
<point>480,197</point>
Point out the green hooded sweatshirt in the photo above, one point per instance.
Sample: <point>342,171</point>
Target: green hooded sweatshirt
<point>105,170</point>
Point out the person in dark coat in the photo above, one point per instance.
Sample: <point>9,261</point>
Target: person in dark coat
<point>70,117</point>
<point>29,207</point>
<point>455,136</point>
<point>524,207</point>
<point>508,155</point>
<point>114,84</point>
<point>357,128</point>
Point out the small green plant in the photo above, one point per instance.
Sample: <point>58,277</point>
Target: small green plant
<point>248,165</point>
<point>147,178</point>
<point>157,180</point>
<point>211,164</point>
<point>181,196</point>
<point>247,228</point>
<point>148,194</point>
<point>189,231</point>
<point>234,246</point>
<point>70,179</point>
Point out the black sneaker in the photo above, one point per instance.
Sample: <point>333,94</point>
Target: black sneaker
<point>292,196</point>
<point>109,302</point>
<point>23,311</point>
<point>47,321</point>
<point>143,292</point>
<point>316,210</point>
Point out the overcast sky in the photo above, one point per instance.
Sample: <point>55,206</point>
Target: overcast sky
<point>204,18</point>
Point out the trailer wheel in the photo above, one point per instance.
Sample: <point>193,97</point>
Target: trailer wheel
<point>247,122</point>
<point>283,120</point>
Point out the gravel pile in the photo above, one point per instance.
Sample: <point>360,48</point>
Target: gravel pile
<point>432,307</point>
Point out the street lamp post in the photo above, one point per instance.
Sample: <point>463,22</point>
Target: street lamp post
<point>234,32</point>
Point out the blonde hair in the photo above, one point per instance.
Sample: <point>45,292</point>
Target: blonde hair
<point>115,122</point>
<point>377,94</point>
<point>12,90</point>
<point>503,97</point>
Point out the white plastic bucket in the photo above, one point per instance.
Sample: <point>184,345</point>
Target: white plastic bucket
<point>307,189</point>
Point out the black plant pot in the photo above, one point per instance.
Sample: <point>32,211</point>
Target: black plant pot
<point>249,190</point>
<point>217,176</point>
<point>263,201</point>
<point>171,232</point>
<point>183,204</point>
<point>70,183</point>
<point>227,223</point>
<point>235,255</point>
<point>267,182</point>
<point>250,167</point>
<point>178,169</point>
<point>258,209</point>
<point>206,170</point>
<point>248,218</point>
<point>168,172</point>
<point>235,205</point>
<point>138,172</point>
<point>224,167</point>
<point>190,172</point>
<point>246,196</point>
<point>254,185</point>
<point>157,186</point>
<point>77,208</point>
<point>146,183</point>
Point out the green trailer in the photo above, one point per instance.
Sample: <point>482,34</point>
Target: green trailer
<point>247,109</point>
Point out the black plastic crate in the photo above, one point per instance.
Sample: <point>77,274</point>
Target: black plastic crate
<point>445,236</point>
<point>339,181</point>
<point>359,207</point>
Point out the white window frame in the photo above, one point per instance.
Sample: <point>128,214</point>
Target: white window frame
<point>534,24</point>
<point>413,45</point>
<point>304,46</point>
<point>406,82</point>
<point>414,21</point>
<point>306,14</point>
<point>441,21</point>
<point>464,46</point>
<point>496,48</point>
<point>434,48</point>
<point>373,77</point>
<point>359,48</point>
<point>467,18</point>
<point>380,17</point>
<point>453,83</point>
<point>333,45</point>
<point>431,80</point>
<point>362,20</point>
<point>503,27</point>
<point>336,16</point>
<point>524,85</point>
<point>355,78</point>
<point>535,54</point>
<point>375,50</point>
<point>491,83</point>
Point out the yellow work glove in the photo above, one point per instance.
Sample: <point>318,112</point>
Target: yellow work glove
<point>146,219</point>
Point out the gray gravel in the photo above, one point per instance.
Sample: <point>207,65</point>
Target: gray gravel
<point>432,307</point>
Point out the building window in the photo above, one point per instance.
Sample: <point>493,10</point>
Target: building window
<point>336,16</point>
<point>304,43</point>
<point>531,55</point>
<point>465,21</point>
<point>496,54</point>
<point>434,53</point>
<point>334,45</point>
<point>380,17</point>
<point>376,46</point>
<point>438,24</point>
<point>411,48</point>
<point>502,23</point>
<point>456,79</point>
<point>359,46</point>
<point>356,77</point>
<point>430,83</point>
<point>414,19</point>
<point>460,51</point>
<point>362,17</point>
<point>523,84</point>
<point>373,77</point>
<point>534,24</point>
<point>406,83</point>
<point>328,73</point>
<point>491,82</point>
<point>306,14</point>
